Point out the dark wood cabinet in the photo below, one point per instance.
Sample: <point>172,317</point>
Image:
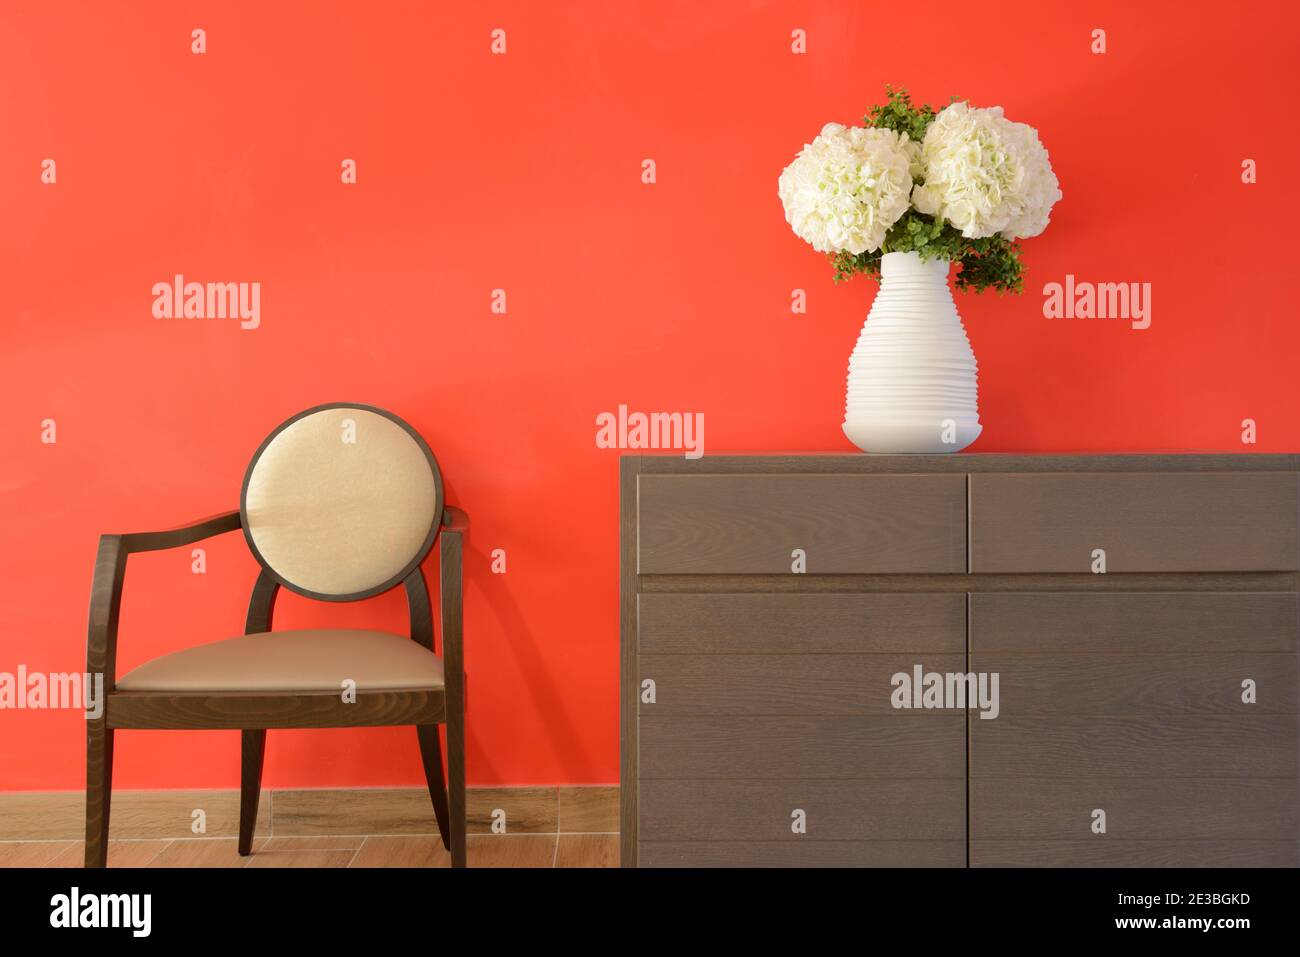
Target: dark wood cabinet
<point>1145,706</point>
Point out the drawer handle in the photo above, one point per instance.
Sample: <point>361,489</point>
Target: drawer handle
<point>1099,561</point>
<point>1248,691</point>
<point>1098,821</point>
<point>798,821</point>
<point>800,564</point>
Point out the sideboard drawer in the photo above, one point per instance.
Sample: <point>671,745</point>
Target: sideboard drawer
<point>1205,809</point>
<point>1144,522</point>
<point>802,854</point>
<point>783,624</point>
<point>1100,852</point>
<point>1094,746</point>
<point>1147,684</point>
<point>1172,622</point>
<point>898,745</point>
<point>842,524</point>
<point>1186,822</point>
<point>926,809</point>
<point>780,684</point>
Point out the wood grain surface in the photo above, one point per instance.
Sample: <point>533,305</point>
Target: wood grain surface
<point>803,854</point>
<point>1178,522</point>
<point>1189,746</point>
<point>801,624</point>
<point>901,744</point>
<point>1139,809</point>
<point>751,524</point>
<point>927,809</point>
<point>782,684</point>
<point>1119,623</point>
<point>1141,684</point>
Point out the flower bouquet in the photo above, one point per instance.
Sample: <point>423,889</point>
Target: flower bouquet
<point>901,199</point>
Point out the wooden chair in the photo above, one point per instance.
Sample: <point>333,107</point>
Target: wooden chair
<point>340,503</point>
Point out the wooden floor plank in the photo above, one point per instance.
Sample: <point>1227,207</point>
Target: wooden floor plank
<point>120,853</point>
<point>523,850</point>
<point>35,853</point>
<point>214,852</point>
<point>402,851</point>
<point>137,815</point>
<point>326,842</point>
<point>170,815</point>
<point>309,812</point>
<point>301,858</point>
<point>587,850</point>
<point>485,850</point>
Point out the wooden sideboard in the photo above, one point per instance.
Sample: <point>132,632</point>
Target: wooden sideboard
<point>1140,612</point>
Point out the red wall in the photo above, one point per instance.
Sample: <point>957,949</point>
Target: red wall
<point>523,172</point>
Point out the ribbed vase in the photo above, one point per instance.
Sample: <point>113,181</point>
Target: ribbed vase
<point>912,375</point>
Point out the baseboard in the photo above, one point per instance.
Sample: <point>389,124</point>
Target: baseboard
<point>152,815</point>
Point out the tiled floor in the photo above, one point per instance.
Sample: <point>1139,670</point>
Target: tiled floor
<point>512,850</point>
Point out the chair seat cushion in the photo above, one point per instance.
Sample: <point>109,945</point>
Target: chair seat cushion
<point>293,661</point>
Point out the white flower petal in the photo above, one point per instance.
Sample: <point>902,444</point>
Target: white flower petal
<point>847,187</point>
<point>985,174</point>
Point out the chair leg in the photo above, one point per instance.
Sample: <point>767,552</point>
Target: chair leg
<point>456,784</point>
<point>431,753</point>
<point>99,790</point>
<point>252,748</point>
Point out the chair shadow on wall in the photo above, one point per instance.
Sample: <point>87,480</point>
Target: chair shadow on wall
<point>547,697</point>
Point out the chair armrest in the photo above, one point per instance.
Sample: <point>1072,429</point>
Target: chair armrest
<point>454,519</point>
<point>110,573</point>
<point>184,535</point>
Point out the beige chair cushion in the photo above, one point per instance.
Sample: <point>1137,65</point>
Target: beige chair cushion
<point>341,501</point>
<point>312,660</point>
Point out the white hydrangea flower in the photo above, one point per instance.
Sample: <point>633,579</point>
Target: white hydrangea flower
<point>847,187</point>
<point>986,174</point>
<point>1039,190</point>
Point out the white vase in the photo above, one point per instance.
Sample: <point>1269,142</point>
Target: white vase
<point>912,376</point>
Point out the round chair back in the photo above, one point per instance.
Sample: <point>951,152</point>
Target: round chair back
<point>342,502</point>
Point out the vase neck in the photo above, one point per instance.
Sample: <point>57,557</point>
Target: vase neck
<point>898,265</point>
